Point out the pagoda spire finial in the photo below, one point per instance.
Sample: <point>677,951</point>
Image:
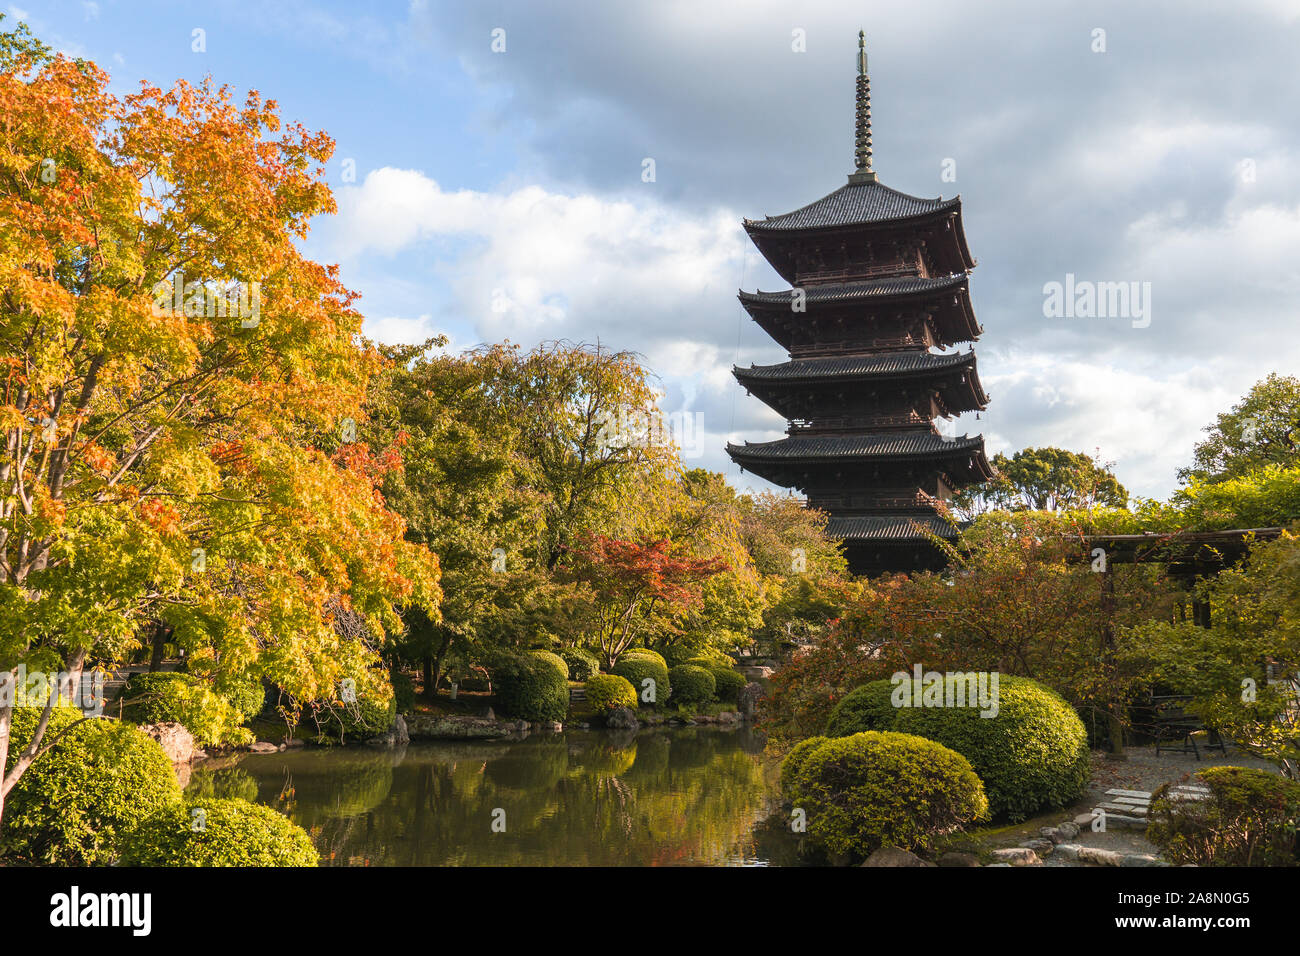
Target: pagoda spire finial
<point>862,172</point>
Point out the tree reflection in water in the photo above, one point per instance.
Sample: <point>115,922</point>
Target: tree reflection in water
<point>685,795</point>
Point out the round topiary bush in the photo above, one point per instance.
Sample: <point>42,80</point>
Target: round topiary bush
<point>608,691</point>
<point>219,833</point>
<point>75,802</point>
<point>1249,819</point>
<point>555,660</point>
<point>529,688</point>
<point>582,663</point>
<point>879,789</point>
<point>729,683</point>
<point>866,708</point>
<point>794,762</point>
<point>212,718</point>
<point>644,653</point>
<point>1032,755</point>
<point>639,669</point>
<point>691,684</point>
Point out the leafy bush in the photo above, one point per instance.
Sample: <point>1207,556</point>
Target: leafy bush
<point>368,710</point>
<point>608,691</point>
<point>637,669</point>
<point>866,708</point>
<point>246,695</point>
<point>1250,819</point>
<point>555,660</point>
<point>226,833</point>
<point>794,762</point>
<point>691,684</point>
<point>644,653</point>
<point>212,718</point>
<point>878,789</point>
<point>1033,754</point>
<point>403,693</point>
<point>78,799</point>
<point>729,683</point>
<point>582,663</point>
<point>529,688</point>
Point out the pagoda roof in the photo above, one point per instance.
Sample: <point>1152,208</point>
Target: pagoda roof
<point>917,444</point>
<point>855,204</point>
<point>896,286</point>
<point>858,366</point>
<point>900,528</point>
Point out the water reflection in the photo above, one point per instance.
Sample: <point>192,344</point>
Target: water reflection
<point>685,795</point>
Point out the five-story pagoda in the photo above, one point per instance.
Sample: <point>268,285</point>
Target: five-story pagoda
<point>880,293</point>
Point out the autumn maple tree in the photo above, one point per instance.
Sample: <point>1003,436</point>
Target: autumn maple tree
<point>631,582</point>
<point>180,388</point>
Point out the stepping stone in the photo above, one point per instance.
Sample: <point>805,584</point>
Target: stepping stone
<point>1141,859</point>
<point>1016,856</point>
<point>1113,809</point>
<point>1099,857</point>
<point>1068,851</point>
<point>1144,794</point>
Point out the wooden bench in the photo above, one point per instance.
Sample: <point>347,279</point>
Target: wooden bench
<point>1170,722</point>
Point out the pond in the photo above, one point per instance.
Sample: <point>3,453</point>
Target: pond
<point>688,795</point>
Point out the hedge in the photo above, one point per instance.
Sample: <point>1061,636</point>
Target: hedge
<point>609,691</point>
<point>638,669</point>
<point>729,683</point>
<point>219,833</point>
<point>582,663</point>
<point>691,684</point>
<point>555,660</point>
<point>879,789</point>
<point>1032,755</point>
<point>529,688</point>
<point>75,802</point>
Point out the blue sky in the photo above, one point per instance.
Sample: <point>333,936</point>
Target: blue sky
<point>499,194</point>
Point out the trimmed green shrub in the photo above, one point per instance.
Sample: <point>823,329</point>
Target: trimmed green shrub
<point>866,708</point>
<point>403,693</point>
<point>879,789</point>
<point>227,833</point>
<point>729,682</point>
<point>608,691</point>
<point>644,653</point>
<point>691,684</point>
<point>794,762</point>
<point>529,688</point>
<point>582,663</point>
<point>77,800</point>
<point>555,660</point>
<point>1032,755</point>
<point>1250,819</point>
<point>212,718</point>
<point>637,669</point>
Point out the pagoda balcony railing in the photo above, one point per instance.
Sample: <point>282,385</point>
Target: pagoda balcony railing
<point>882,502</point>
<point>862,345</point>
<point>854,273</point>
<point>806,426</point>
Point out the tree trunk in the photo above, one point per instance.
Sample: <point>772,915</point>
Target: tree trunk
<point>8,694</point>
<point>160,635</point>
<point>426,672</point>
<point>439,658</point>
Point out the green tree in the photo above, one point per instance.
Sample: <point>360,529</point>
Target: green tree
<point>1043,479</point>
<point>1262,429</point>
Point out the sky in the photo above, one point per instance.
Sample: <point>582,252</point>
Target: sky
<point>492,178</point>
